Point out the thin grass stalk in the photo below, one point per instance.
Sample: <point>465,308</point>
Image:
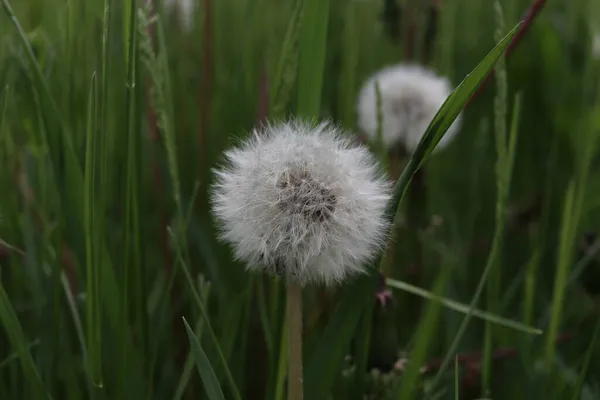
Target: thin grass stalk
<point>572,214</point>
<point>130,257</point>
<point>462,308</point>
<point>423,337</point>
<point>93,285</point>
<point>159,189</point>
<point>500,115</point>
<point>586,362</point>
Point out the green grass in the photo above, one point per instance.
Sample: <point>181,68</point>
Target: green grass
<point>111,121</point>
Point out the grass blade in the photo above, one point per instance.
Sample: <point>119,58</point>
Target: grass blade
<point>211,384</point>
<point>94,340</point>
<point>586,362</point>
<point>19,343</point>
<point>287,66</point>
<point>424,334</point>
<point>313,42</point>
<point>462,308</point>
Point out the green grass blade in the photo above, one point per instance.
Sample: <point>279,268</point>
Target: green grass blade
<point>12,357</point>
<point>424,334</point>
<point>350,53</point>
<point>189,362</point>
<point>287,66</point>
<point>3,116</point>
<point>20,345</point>
<point>211,384</point>
<point>562,269</point>
<point>75,315</point>
<point>281,363</point>
<point>313,42</point>
<point>322,367</point>
<point>93,308</point>
<point>462,308</point>
<point>586,362</point>
<point>500,115</point>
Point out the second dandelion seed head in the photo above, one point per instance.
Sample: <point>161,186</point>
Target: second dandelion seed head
<point>410,98</point>
<point>302,201</point>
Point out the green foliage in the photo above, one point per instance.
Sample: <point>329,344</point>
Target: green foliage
<point>112,118</point>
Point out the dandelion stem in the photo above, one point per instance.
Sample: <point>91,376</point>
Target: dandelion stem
<point>294,322</point>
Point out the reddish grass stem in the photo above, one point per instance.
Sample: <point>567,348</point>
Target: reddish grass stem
<point>526,22</point>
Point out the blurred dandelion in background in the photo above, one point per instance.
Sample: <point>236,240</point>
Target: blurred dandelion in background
<point>411,96</point>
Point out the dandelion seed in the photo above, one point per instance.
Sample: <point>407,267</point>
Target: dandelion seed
<point>410,98</point>
<point>303,202</point>
<point>186,11</point>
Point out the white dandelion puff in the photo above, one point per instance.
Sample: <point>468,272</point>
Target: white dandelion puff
<point>302,201</point>
<point>186,12</point>
<point>410,98</point>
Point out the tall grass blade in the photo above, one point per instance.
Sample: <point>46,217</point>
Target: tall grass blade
<point>211,384</point>
<point>424,334</point>
<point>287,65</point>
<point>500,115</point>
<point>313,42</point>
<point>93,311</point>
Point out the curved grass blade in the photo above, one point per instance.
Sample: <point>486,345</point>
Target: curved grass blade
<point>322,367</point>
<point>462,308</point>
<point>211,384</point>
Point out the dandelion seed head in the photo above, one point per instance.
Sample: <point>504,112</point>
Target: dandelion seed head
<point>410,98</point>
<point>303,202</point>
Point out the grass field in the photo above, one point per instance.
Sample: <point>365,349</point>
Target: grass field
<point>114,285</point>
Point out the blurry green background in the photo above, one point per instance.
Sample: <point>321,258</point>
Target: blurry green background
<point>109,131</point>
